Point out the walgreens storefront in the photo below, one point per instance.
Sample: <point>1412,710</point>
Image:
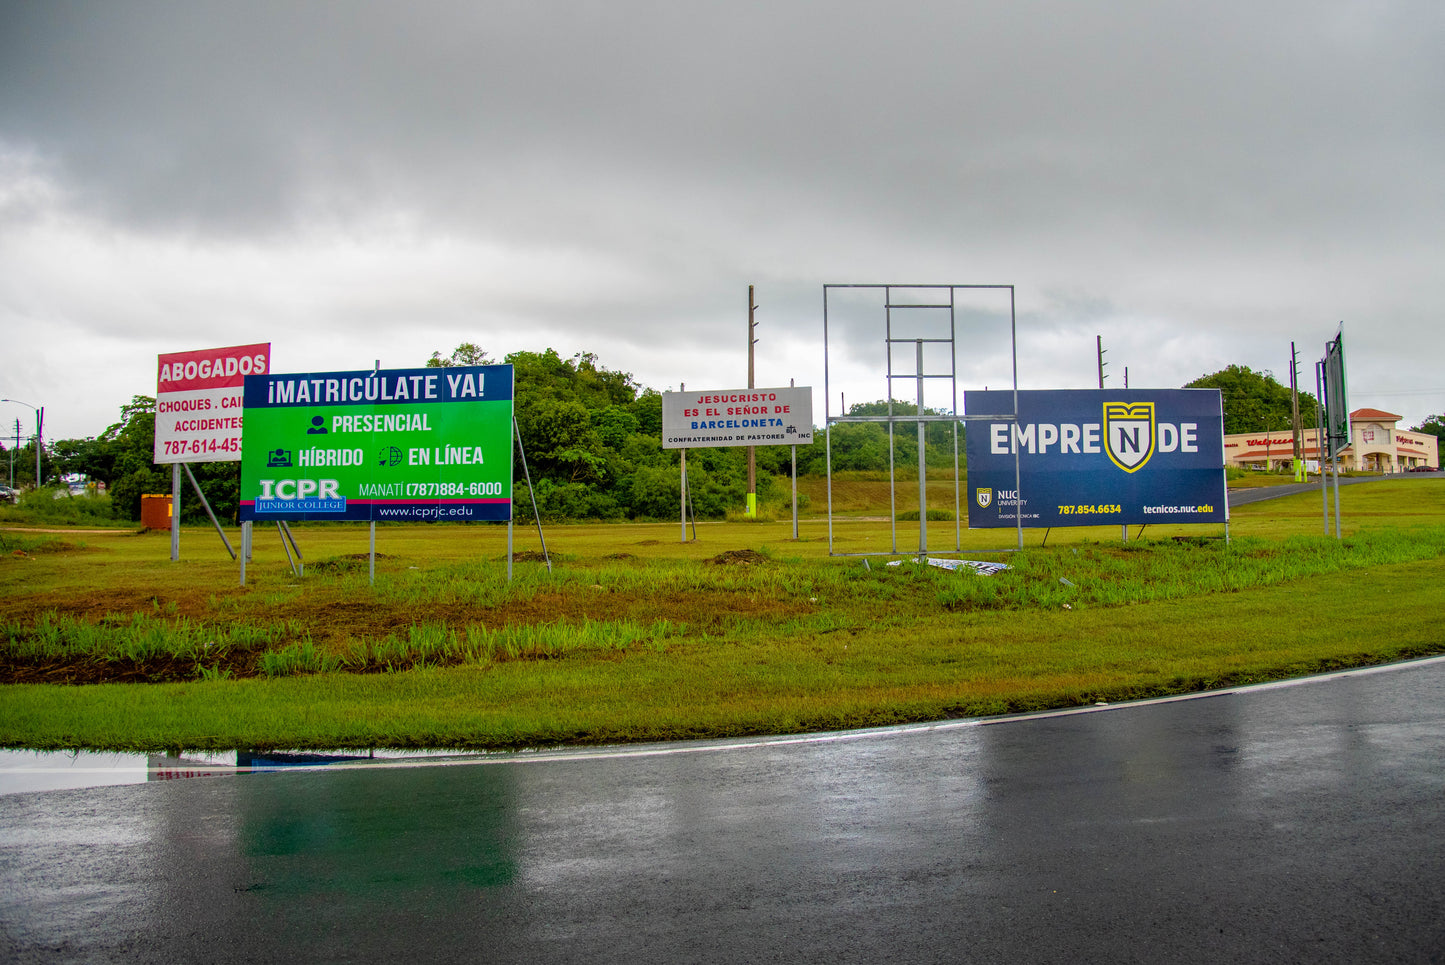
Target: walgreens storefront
<point>1375,446</point>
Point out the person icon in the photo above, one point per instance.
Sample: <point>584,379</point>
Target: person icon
<point>318,426</point>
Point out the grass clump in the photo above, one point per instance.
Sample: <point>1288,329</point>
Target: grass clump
<point>56,506</point>
<point>934,515</point>
<point>139,647</point>
<point>19,545</point>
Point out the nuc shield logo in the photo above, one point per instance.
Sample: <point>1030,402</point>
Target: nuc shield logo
<point>984,497</point>
<point>1129,433</point>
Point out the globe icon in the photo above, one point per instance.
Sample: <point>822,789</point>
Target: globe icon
<point>390,456</point>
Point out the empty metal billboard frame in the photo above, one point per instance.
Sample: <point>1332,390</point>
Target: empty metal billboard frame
<point>919,418</point>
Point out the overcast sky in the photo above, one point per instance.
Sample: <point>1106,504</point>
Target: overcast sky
<point>1199,184</point>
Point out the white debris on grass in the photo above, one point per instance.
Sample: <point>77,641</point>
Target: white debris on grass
<point>977,566</point>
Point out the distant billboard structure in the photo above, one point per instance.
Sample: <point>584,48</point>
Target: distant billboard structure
<point>1337,407</point>
<point>914,333</point>
<point>719,418</point>
<point>1335,415</point>
<point>738,417</point>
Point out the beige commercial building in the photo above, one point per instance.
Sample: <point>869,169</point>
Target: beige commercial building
<point>1375,446</point>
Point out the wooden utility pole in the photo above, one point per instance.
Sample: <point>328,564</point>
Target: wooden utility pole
<point>682,480</point>
<point>1099,349</point>
<point>12,454</point>
<point>752,450</point>
<point>1295,420</point>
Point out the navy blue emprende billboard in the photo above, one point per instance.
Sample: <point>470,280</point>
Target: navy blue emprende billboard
<point>394,444</point>
<point>1092,457</point>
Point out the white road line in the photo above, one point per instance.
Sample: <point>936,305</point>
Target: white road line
<point>706,747</point>
<point>742,744</point>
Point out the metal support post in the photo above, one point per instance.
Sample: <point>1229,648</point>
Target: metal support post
<point>795,483</point>
<point>682,470</point>
<point>245,554</point>
<point>1337,498</point>
<point>795,493</point>
<point>175,511</point>
<point>682,496</point>
<point>1322,445</point>
<point>692,512</point>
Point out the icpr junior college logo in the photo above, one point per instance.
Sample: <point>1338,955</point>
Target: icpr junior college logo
<point>984,497</point>
<point>1129,433</point>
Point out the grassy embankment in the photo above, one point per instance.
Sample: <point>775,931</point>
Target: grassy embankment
<point>635,636</point>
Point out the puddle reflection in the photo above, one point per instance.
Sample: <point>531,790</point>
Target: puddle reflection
<point>25,771</point>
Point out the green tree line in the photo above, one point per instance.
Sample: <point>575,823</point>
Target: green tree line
<point>1255,401</point>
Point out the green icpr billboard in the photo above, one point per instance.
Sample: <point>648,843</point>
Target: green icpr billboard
<point>390,444</point>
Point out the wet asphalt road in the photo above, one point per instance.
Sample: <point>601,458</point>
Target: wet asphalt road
<point>1301,823</point>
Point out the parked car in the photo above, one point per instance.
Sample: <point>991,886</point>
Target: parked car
<point>8,495</point>
<point>1421,469</point>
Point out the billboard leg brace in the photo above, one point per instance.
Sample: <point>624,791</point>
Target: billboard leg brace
<point>206,503</point>
<point>527,474</point>
<point>286,530</point>
<point>289,561</point>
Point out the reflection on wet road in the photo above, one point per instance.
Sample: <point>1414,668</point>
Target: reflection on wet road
<point>1295,823</point>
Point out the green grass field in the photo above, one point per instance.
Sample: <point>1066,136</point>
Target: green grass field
<point>635,635</point>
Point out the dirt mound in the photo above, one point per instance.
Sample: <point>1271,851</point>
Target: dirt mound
<point>345,563</point>
<point>738,558</point>
<point>529,556</point>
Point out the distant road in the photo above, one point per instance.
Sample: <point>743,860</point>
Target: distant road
<point>1238,497</point>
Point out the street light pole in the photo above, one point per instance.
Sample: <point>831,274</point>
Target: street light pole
<point>39,436</point>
